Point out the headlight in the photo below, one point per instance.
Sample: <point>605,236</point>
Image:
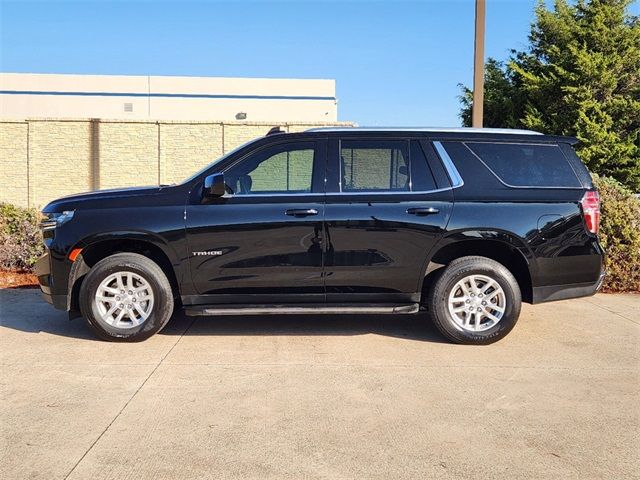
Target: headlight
<point>53,220</point>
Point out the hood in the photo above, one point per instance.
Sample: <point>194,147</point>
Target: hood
<point>107,198</point>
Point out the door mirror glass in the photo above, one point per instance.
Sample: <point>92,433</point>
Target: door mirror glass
<point>214,185</point>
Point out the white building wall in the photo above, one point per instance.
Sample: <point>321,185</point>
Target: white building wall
<point>166,98</point>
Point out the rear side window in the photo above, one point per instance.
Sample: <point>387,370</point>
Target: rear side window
<point>369,166</point>
<point>384,166</point>
<point>526,165</point>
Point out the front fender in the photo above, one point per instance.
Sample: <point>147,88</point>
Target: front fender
<point>135,236</point>
<point>98,245</point>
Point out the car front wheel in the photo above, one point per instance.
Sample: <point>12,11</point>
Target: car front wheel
<point>126,297</point>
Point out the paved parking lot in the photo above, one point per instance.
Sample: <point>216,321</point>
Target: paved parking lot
<point>322,397</point>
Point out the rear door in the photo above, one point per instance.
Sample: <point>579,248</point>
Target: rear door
<point>388,202</point>
<point>263,243</point>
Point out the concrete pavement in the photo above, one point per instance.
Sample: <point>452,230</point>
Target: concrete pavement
<point>322,397</point>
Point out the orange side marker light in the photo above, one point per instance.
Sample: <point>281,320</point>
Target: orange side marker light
<point>74,254</point>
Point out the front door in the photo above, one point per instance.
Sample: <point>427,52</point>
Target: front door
<point>386,207</point>
<point>263,243</point>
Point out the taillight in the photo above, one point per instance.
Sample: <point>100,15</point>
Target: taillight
<point>591,210</point>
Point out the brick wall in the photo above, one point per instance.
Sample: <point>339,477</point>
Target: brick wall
<point>128,154</point>
<point>43,159</point>
<point>14,172</point>
<point>59,160</point>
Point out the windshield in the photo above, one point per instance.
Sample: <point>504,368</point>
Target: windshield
<point>208,166</point>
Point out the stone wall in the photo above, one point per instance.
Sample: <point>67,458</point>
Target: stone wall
<point>43,159</point>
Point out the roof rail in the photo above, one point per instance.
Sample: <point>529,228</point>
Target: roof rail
<point>427,130</point>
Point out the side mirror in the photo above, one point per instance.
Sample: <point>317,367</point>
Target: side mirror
<point>214,185</point>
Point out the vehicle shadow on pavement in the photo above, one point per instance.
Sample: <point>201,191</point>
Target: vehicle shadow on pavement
<point>411,327</point>
<point>26,311</point>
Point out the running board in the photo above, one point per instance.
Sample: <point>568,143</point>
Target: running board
<point>312,308</point>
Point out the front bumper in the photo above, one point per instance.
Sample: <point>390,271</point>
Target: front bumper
<point>42,269</point>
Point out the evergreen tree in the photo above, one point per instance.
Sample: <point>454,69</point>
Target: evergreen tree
<point>579,76</point>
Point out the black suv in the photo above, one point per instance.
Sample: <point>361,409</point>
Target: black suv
<point>463,223</point>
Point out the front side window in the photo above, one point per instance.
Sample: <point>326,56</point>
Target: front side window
<point>280,169</point>
<point>526,165</point>
<point>374,166</point>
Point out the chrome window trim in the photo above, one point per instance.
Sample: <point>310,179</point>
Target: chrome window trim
<point>296,194</point>
<point>402,192</point>
<point>383,192</point>
<point>333,194</point>
<point>452,171</point>
<point>526,186</point>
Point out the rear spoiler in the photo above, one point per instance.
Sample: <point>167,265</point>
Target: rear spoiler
<point>570,140</point>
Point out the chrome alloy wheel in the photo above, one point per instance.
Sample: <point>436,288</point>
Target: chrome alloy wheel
<point>477,303</point>
<point>124,300</point>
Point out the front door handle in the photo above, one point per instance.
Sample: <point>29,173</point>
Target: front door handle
<point>422,211</point>
<point>301,212</point>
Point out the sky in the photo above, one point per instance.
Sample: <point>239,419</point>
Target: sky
<point>396,63</point>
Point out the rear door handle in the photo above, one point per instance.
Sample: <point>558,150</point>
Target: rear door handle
<point>301,212</point>
<point>422,211</point>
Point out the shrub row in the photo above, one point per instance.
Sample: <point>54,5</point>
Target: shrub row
<point>21,240</point>
<point>620,235</point>
<point>20,237</point>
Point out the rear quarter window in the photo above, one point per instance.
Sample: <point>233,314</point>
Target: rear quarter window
<point>526,165</point>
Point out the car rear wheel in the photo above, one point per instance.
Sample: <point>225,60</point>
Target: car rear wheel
<point>475,300</point>
<point>126,297</point>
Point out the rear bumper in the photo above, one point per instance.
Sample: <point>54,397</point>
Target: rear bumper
<point>552,293</point>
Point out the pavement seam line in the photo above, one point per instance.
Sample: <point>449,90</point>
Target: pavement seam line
<point>608,310</point>
<point>130,399</point>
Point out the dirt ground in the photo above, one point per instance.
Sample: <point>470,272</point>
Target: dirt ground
<point>10,279</point>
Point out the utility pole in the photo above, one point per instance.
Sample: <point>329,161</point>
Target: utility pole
<point>478,66</point>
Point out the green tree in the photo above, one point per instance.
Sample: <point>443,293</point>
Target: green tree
<point>579,76</point>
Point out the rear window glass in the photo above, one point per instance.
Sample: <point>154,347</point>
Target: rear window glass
<point>526,165</point>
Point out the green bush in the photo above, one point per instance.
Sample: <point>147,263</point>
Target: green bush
<point>620,235</point>
<point>20,238</point>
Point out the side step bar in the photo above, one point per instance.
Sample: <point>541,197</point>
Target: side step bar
<point>314,309</point>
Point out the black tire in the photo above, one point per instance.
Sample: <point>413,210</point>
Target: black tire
<point>438,300</point>
<point>147,269</point>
